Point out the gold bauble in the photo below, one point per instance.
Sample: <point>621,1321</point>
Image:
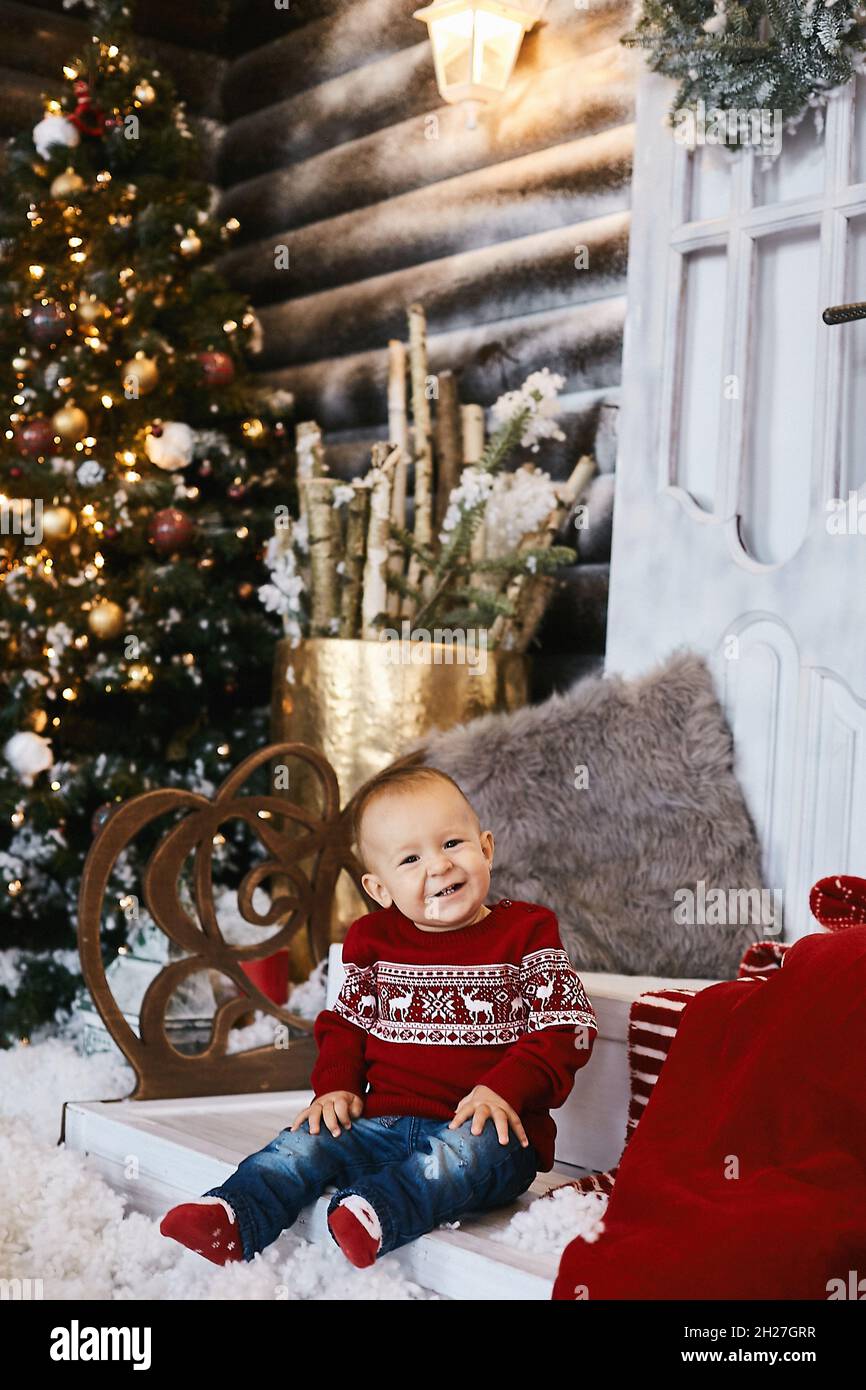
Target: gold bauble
<point>71,423</point>
<point>67,184</point>
<point>144,92</point>
<point>105,619</point>
<point>139,677</point>
<point>190,245</point>
<point>142,370</point>
<point>92,310</point>
<point>58,524</point>
<point>254,431</point>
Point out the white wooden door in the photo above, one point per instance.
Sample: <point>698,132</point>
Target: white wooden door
<point>742,434</point>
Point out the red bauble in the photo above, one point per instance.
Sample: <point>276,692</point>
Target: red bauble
<point>235,491</point>
<point>171,530</point>
<point>35,436</point>
<point>218,368</point>
<point>205,468</point>
<point>15,472</point>
<point>47,324</point>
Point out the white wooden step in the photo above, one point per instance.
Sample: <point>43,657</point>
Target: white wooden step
<point>161,1152</point>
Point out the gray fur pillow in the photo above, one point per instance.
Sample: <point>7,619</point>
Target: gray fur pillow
<point>660,811</point>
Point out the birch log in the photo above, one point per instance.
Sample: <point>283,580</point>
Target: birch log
<point>535,595</point>
<point>398,426</point>
<point>398,433</point>
<point>472,431</point>
<point>422,442</point>
<point>310,455</point>
<point>449,443</point>
<point>483,544</point>
<point>472,427</point>
<point>357,521</point>
<point>324,523</point>
<point>374,597</point>
<point>530,593</point>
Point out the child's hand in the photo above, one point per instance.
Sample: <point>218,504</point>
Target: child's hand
<point>335,1106</point>
<point>482,1104</point>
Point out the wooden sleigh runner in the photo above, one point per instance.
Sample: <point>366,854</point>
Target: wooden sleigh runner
<point>192,1117</point>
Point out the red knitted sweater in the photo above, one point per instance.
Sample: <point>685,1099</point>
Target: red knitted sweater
<point>423,1017</point>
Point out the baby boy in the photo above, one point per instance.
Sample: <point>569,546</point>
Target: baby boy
<point>458,1028</point>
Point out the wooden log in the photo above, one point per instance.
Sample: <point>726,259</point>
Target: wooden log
<point>398,433</point>
<point>472,425</point>
<point>357,523</point>
<point>375,590</point>
<point>520,276</point>
<point>449,443</point>
<point>535,595</point>
<point>584,340</point>
<point>590,175</point>
<point>530,593</point>
<point>422,432</point>
<point>357,33</point>
<point>472,443</point>
<point>421,425</point>
<point>571,491</point>
<point>595,94</point>
<point>483,545</point>
<point>397,558</point>
<point>325,550</point>
<point>398,426</point>
<point>310,454</point>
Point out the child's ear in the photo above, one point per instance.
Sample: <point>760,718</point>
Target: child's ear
<point>376,889</point>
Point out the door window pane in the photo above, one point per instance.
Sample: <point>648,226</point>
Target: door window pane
<point>700,395</point>
<point>779,394</point>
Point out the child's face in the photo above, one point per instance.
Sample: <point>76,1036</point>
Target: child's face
<point>420,841</point>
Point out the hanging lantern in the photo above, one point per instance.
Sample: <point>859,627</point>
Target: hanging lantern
<point>476,43</point>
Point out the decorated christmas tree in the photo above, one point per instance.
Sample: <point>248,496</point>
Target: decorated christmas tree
<point>140,476</point>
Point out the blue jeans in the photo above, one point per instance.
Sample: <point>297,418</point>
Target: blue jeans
<point>415,1173</point>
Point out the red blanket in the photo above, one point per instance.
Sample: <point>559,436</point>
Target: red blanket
<point>746,1176</point>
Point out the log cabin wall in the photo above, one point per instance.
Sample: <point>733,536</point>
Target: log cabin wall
<point>326,134</point>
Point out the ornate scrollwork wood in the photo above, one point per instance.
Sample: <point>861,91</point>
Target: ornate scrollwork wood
<point>292,835</point>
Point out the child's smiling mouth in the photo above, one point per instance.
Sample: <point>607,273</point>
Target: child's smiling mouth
<point>449,891</point>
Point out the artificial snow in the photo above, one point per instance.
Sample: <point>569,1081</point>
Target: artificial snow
<point>61,1223</point>
<point>548,1225</point>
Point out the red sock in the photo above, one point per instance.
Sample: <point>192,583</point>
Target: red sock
<point>205,1228</point>
<point>355,1227</point>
